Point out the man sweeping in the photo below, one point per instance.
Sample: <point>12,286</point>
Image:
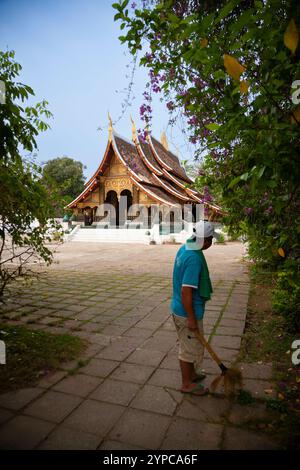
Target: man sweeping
<point>191,289</point>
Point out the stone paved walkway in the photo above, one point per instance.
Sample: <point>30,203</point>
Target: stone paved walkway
<point>126,393</point>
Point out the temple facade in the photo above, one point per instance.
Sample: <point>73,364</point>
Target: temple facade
<point>136,184</point>
<point>146,173</point>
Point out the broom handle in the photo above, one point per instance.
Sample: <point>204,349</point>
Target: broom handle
<point>209,348</point>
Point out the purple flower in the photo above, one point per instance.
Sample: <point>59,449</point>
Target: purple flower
<point>156,89</point>
<point>248,210</point>
<point>149,57</point>
<point>193,121</point>
<point>133,5</point>
<point>170,105</point>
<point>207,196</point>
<point>198,82</point>
<point>269,210</point>
<point>143,135</point>
<point>147,96</point>
<point>184,94</point>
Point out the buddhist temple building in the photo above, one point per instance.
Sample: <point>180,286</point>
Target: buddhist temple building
<point>143,173</point>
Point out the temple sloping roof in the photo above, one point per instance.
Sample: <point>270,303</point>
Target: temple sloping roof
<point>152,168</point>
<point>168,160</point>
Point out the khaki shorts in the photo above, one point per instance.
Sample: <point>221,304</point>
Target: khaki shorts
<point>190,348</point>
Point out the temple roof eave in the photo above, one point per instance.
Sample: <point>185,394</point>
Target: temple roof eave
<point>83,194</point>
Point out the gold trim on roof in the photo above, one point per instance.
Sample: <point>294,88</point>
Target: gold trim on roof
<point>110,128</point>
<point>134,134</point>
<point>164,140</point>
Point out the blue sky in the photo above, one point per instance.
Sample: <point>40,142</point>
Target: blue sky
<point>72,57</point>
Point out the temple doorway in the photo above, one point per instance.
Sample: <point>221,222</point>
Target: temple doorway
<point>88,216</point>
<point>112,198</point>
<point>126,203</point>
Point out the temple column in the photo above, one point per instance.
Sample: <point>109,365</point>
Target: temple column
<point>135,195</point>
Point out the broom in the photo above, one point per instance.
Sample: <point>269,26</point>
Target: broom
<point>232,377</point>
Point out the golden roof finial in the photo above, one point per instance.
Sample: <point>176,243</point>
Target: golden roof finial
<point>110,127</point>
<point>134,134</point>
<point>147,129</point>
<point>164,140</point>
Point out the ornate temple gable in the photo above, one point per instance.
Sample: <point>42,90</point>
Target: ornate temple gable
<point>118,185</point>
<point>160,188</point>
<point>115,168</point>
<point>128,152</point>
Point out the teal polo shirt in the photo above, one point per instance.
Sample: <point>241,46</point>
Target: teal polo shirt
<point>187,272</point>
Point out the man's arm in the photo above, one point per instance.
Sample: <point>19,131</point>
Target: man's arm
<point>187,301</point>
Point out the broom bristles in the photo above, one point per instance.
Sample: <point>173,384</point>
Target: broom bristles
<point>232,380</point>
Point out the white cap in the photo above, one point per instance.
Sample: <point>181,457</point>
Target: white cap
<point>205,229</point>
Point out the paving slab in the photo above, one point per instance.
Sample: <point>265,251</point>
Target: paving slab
<point>259,388</point>
<point>247,414</point>
<point>99,367</point>
<point>154,399</point>
<point>18,399</point>
<point>207,409</point>
<point>78,384</point>
<point>5,415</point>
<point>23,433</point>
<point>146,356</point>
<point>115,445</point>
<point>53,406</point>
<point>116,352</point>
<point>51,378</point>
<point>192,435</point>
<point>132,373</point>
<point>166,378</point>
<point>64,438</point>
<point>256,371</point>
<point>115,391</point>
<point>240,439</point>
<point>141,428</point>
<point>94,417</point>
<point>231,342</point>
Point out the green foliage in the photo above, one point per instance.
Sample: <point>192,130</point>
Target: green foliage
<point>25,210</point>
<point>244,398</point>
<point>63,177</point>
<point>221,238</point>
<point>286,295</point>
<point>276,405</point>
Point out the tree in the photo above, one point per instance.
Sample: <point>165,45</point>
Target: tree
<point>230,68</point>
<point>23,199</point>
<point>65,177</point>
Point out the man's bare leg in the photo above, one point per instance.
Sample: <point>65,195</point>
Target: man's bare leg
<point>188,374</point>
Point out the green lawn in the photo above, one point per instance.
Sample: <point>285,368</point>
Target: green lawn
<point>31,354</point>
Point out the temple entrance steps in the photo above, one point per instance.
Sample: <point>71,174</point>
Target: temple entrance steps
<point>111,235</point>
